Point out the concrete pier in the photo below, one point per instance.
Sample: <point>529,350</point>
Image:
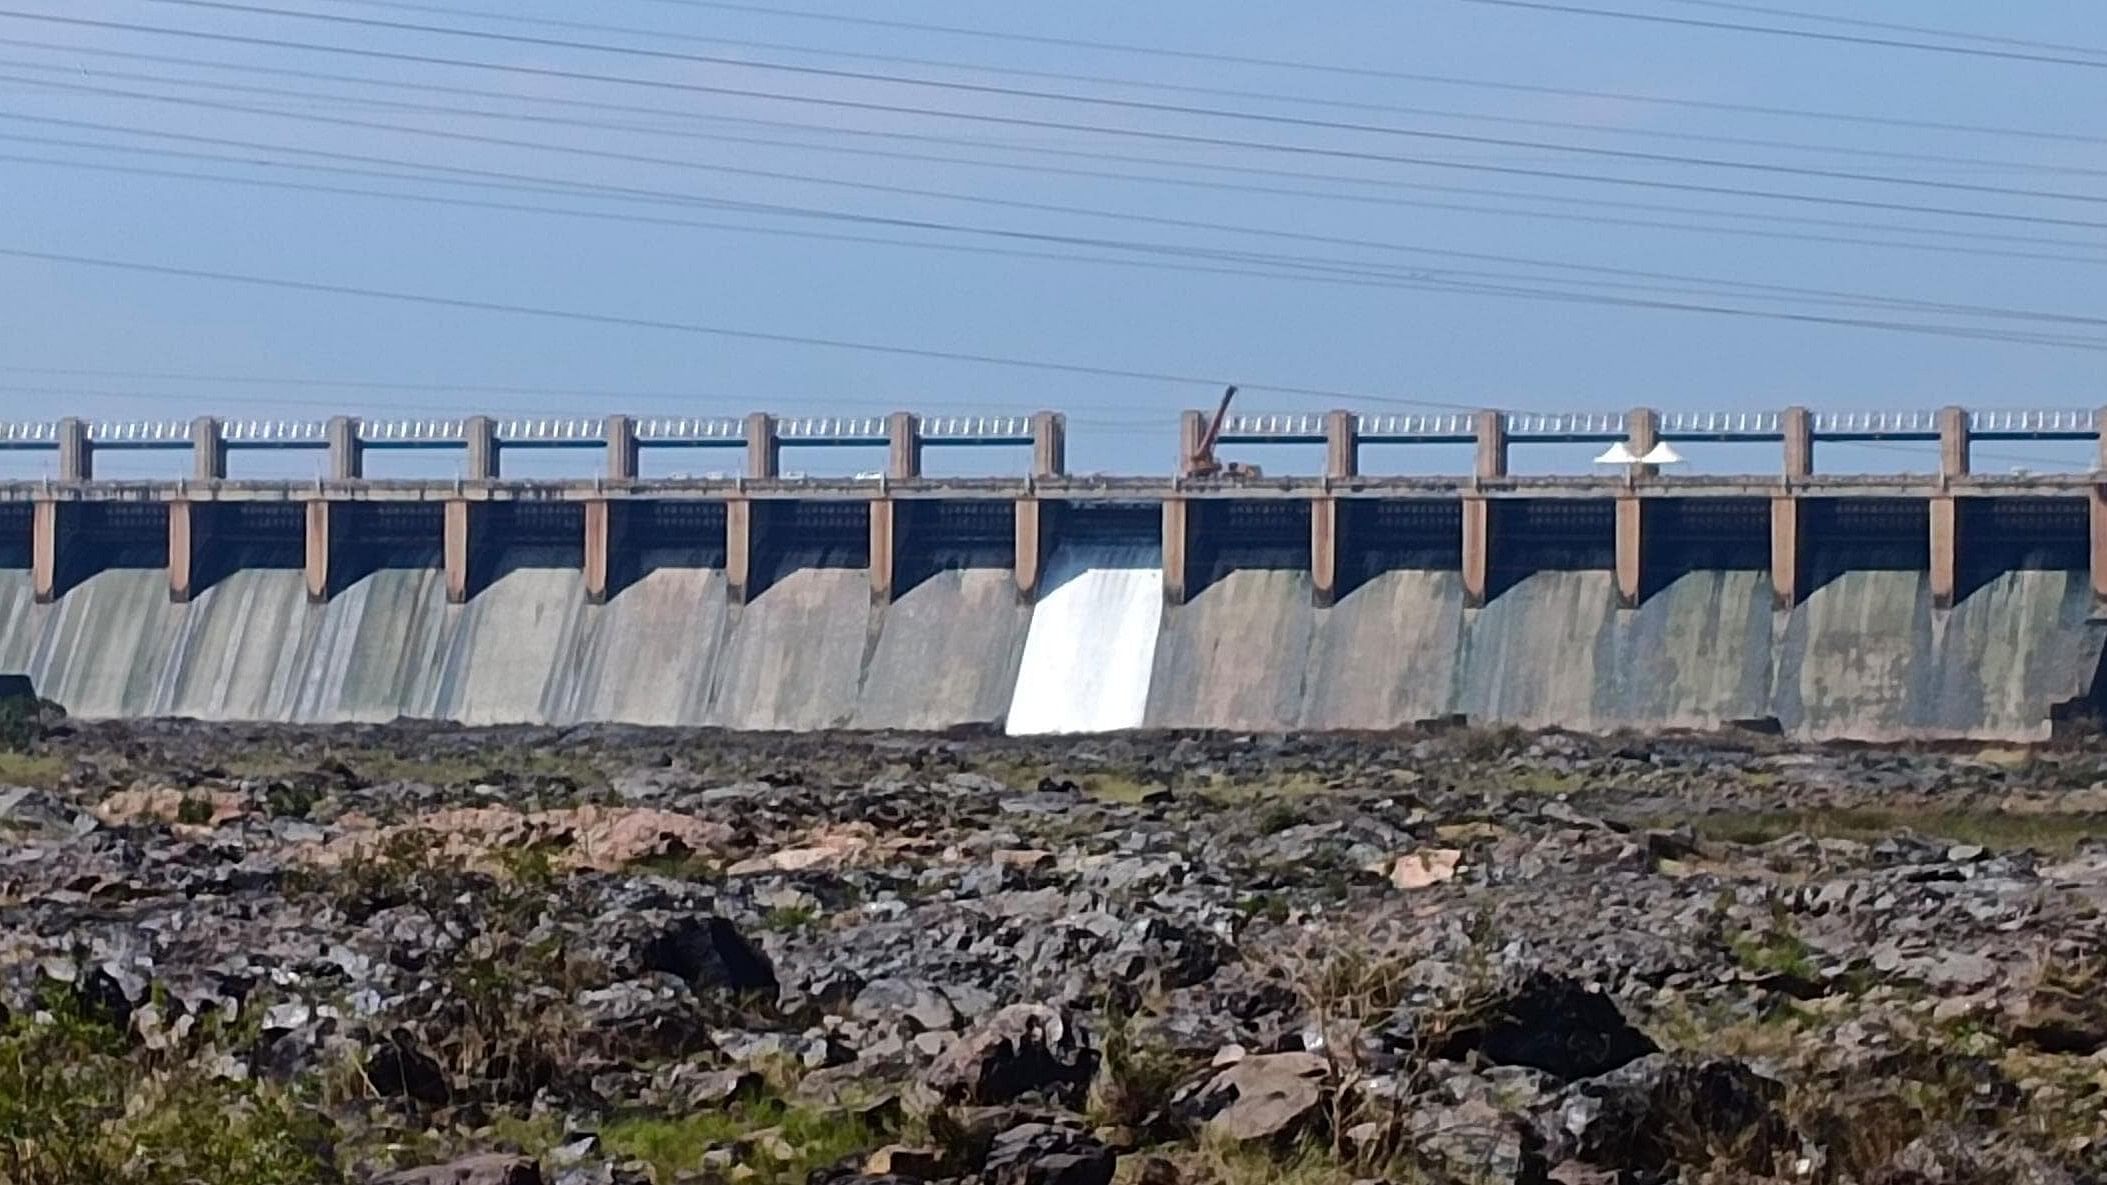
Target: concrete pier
<point>45,548</point>
<point>887,539</point>
<point>739,536</point>
<point>186,540</point>
<point>1325,543</point>
<point>1477,551</point>
<point>1032,539</point>
<point>321,552</point>
<point>1631,551</point>
<point>1177,550</point>
<point>1785,553</point>
<point>459,550</point>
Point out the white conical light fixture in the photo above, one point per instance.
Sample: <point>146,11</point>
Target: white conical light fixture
<point>1617,454</point>
<point>1661,454</point>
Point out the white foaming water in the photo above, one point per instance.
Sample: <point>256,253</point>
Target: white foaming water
<point>1092,642</point>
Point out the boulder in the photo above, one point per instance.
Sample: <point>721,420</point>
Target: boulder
<point>1425,867</point>
<point>1271,1098</point>
<point>1666,1109</point>
<point>901,1160</point>
<point>1046,1154</point>
<point>1024,1049</point>
<point>495,1168</point>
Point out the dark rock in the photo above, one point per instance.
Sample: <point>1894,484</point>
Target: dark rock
<point>2058,1020</point>
<point>888,999</point>
<point>709,953</point>
<point>492,1169</point>
<point>1044,1154</point>
<point>397,1068</point>
<point>1665,1109</point>
<point>1552,1024</point>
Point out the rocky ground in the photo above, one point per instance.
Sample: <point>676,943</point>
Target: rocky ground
<point>254,956</point>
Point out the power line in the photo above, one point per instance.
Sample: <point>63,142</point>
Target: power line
<point>742,401</point>
<point>486,306</point>
<point>1857,152</point>
<point>1130,177</point>
<point>1320,270</point>
<point>1325,194</point>
<point>1125,216</point>
<point>1892,26</point>
<point>864,21</point>
<point>1274,119</point>
<point>627,322</point>
<point>1055,125</point>
<point>1807,34</point>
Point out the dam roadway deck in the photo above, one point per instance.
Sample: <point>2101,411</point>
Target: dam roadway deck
<point>1881,607</point>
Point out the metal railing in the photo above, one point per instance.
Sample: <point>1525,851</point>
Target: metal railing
<point>690,431</point>
<point>2049,424</point>
<point>975,429</point>
<point>1566,426</point>
<point>1722,425</point>
<point>1875,425</point>
<point>411,433</point>
<point>275,433</point>
<point>138,433</point>
<point>1391,427</point>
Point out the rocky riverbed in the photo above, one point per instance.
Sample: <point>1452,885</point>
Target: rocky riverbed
<point>252,956</point>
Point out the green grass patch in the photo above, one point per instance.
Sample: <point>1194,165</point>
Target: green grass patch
<point>74,1109</point>
<point>2050,832</point>
<point>755,1133</point>
<point>679,866</point>
<point>785,918</point>
<point>387,765</point>
<point>1775,952</point>
<point>41,770</point>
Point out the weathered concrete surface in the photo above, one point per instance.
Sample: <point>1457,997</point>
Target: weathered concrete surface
<point>1864,657</point>
<point>375,650</point>
<point>236,652</point>
<point>1234,655</point>
<point>503,659</point>
<point>1385,656</point>
<point>1695,654</point>
<point>99,648</point>
<point>1867,658</point>
<point>1530,656</point>
<point>793,657</point>
<point>648,655</point>
<point>947,653</point>
<point>1554,650</point>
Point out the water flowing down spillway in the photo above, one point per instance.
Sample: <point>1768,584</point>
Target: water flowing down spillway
<point>1092,641</point>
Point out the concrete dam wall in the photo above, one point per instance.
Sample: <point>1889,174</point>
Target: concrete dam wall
<point>1864,656</point>
<point>1946,604</point>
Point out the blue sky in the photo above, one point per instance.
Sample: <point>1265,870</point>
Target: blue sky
<point>1371,307</point>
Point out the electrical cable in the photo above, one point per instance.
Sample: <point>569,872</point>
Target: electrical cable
<point>1055,125</point>
<point>1333,195</point>
<point>1858,152</point>
<point>982,89</point>
<point>1738,27</point>
<point>1098,371</point>
<point>1861,23</point>
<point>1193,224</point>
<point>1327,68</point>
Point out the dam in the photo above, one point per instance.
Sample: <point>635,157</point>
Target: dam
<point>1941,605</point>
